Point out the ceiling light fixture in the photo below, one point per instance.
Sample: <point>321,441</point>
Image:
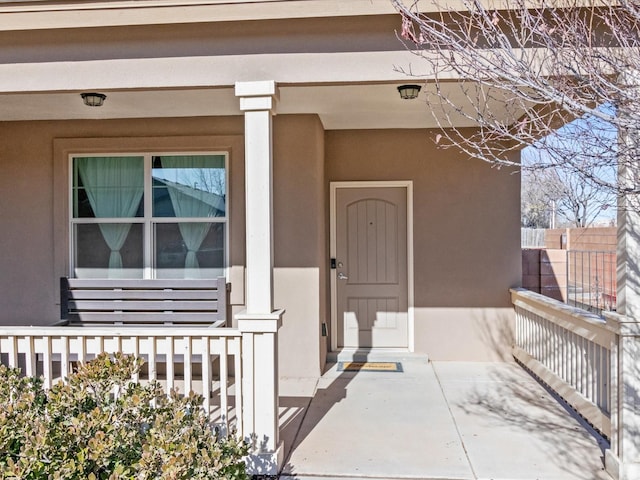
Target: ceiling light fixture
<point>93,99</point>
<point>409,92</point>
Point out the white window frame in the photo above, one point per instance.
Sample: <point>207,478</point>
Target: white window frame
<point>147,220</point>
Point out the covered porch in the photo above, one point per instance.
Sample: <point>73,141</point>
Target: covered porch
<point>202,86</point>
<point>561,408</point>
<point>436,420</point>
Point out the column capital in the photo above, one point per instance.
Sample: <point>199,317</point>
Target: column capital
<point>257,96</point>
<point>264,88</point>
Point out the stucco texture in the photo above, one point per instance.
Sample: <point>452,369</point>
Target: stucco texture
<point>34,186</point>
<point>466,224</point>
<point>466,236</point>
<point>34,192</point>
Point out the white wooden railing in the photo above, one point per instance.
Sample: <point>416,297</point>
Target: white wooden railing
<point>205,360</point>
<point>234,369</point>
<point>569,349</point>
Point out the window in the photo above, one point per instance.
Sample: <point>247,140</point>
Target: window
<point>149,216</point>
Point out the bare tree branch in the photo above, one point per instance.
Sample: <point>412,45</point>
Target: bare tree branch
<point>526,68</point>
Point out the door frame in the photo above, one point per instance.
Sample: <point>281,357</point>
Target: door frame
<point>408,186</point>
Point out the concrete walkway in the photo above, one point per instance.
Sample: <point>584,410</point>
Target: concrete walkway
<point>440,420</point>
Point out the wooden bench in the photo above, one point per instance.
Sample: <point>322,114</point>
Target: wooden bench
<point>144,302</point>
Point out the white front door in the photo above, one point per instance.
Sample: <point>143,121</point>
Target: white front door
<point>371,267</point>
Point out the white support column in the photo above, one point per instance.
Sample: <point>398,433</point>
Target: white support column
<point>628,248</point>
<point>259,323</point>
<point>622,461</point>
<point>257,101</point>
<point>628,251</point>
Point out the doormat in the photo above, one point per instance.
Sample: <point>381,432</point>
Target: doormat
<point>370,367</point>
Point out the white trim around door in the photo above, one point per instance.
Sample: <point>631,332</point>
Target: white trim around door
<point>408,185</point>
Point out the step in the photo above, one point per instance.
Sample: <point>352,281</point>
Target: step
<point>375,355</point>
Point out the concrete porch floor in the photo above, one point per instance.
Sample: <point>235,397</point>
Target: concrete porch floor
<point>441,420</point>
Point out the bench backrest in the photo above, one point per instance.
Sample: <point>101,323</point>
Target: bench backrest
<point>144,301</point>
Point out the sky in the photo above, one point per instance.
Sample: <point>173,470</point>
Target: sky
<point>588,140</point>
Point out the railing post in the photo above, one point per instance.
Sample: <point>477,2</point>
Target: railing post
<point>622,460</point>
<point>260,391</point>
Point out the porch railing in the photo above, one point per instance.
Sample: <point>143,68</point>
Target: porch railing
<point>569,349</point>
<point>205,360</point>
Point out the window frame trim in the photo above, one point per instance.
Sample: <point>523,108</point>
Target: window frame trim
<point>147,221</point>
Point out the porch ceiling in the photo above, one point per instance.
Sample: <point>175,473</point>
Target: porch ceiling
<point>354,106</point>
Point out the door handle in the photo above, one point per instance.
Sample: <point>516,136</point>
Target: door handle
<point>342,276</point>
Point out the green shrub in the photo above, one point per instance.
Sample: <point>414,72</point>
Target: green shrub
<point>100,425</point>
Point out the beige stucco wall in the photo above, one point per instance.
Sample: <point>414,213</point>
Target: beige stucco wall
<point>466,224</point>
<point>303,35</point>
<point>299,201</point>
<point>32,162</point>
<point>466,236</point>
<point>34,192</point>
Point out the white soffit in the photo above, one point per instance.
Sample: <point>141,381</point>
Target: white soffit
<point>212,71</point>
<point>339,107</point>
